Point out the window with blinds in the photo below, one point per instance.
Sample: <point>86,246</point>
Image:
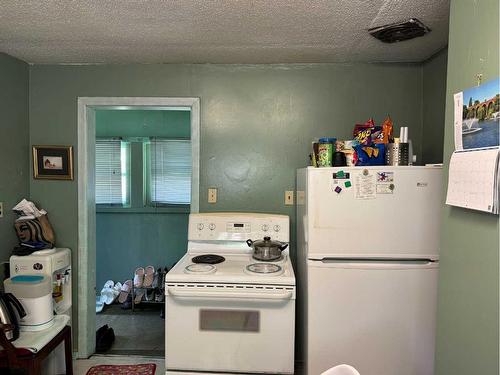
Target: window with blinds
<point>112,174</point>
<point>170,171</point>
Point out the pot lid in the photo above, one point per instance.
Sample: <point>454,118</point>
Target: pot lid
<point>267,242</point>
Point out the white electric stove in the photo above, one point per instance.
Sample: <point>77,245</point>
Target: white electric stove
<point>227,313</point>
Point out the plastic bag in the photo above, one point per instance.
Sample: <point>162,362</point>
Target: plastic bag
<point>36,232</point>
<point>370,155</point>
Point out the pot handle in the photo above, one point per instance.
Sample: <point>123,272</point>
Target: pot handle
<point>10,297</point>
<point>249,242</point>
<point>283,247</point>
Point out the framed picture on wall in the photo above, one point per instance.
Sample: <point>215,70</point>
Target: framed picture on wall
<point>53,162</point>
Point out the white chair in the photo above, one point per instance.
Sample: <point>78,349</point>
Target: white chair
<point>341,370</point>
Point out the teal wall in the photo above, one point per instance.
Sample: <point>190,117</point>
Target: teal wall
<point>257,121</point>
<point>147,123</point>
<point>126,241</point>
<point>468,313</point>
<point>127,238</point>
<point>14,145</point>
<point>434,94</point>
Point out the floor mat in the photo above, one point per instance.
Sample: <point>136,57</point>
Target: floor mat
<point>142,369</point>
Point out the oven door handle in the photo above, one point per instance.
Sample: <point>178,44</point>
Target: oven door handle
<point>227,294</point>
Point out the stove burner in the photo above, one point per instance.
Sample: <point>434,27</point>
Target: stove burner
<point>208,259</point>
<point>200,268</point>
<point>263,268</point>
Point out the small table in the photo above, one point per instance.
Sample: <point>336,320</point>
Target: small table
<point>31,348</point>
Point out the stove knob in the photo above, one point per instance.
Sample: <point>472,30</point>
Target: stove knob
<point>200,226</point>
<point>265,227</point>
<point>211,226</point>
<point>277,228</point>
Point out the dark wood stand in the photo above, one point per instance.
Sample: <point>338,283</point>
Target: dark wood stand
<point>21,358</point>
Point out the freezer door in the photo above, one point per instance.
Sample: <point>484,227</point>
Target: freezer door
<point>372,218</point>
<point>379,317</point>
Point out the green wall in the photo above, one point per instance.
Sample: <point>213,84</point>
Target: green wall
<point>127,238</point>
<point>126,241</point>
<point>14,145</point>
<point>147,123</point>
<point>257,121</point>
<point>467,341</point>
<point>433,101</point>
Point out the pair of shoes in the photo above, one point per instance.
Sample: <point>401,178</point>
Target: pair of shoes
<point>144,277</point>
<point>139,293</point>
<point>110,292</point>
<point>161,278</point>
<point>157,278</point>
<point>104,338</point>
<point>125,291</point>
<point>160,290</point>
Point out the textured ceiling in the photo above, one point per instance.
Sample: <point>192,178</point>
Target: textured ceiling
<point>215,31</point>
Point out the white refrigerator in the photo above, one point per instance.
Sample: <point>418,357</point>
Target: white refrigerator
<point>367,260</point>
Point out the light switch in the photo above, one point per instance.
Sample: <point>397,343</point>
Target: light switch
<point>212,195</point>
<point>289,198</point>
<point>1,209</point>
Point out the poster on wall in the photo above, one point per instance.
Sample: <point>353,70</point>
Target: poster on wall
<point>477,117</point>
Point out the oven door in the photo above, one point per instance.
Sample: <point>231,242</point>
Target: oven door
<point>244,331</point>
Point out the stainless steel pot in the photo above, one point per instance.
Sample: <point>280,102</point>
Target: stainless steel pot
<point>267,250</point>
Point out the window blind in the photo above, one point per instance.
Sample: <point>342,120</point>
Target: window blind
<point>111,172</point>
<point>170,171</point>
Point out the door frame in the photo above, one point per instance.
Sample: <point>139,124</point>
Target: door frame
<point>86,254</point>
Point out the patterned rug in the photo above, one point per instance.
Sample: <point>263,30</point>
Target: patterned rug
<point>142,369</point>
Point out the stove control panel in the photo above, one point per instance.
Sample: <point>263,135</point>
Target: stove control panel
<point>239,227</point>
<point>223,226</point>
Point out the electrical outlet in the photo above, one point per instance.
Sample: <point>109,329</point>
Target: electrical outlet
<point>212,195</point>
<point>289,198</point>
<point>1,209</point>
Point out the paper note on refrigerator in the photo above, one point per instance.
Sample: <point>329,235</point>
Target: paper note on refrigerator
<point>473,180</point>
<point>365,186</point>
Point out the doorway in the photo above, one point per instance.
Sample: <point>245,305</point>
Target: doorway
<point>136,199</point>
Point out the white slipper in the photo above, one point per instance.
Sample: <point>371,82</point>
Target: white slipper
<point>109,284</point>
<point>148,278</point>
<point>138,277</point>
<point>116,290</point>
<point>107,295</point>
<point>99,305</point>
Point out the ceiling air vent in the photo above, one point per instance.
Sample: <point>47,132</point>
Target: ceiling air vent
<point>397,32</point>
